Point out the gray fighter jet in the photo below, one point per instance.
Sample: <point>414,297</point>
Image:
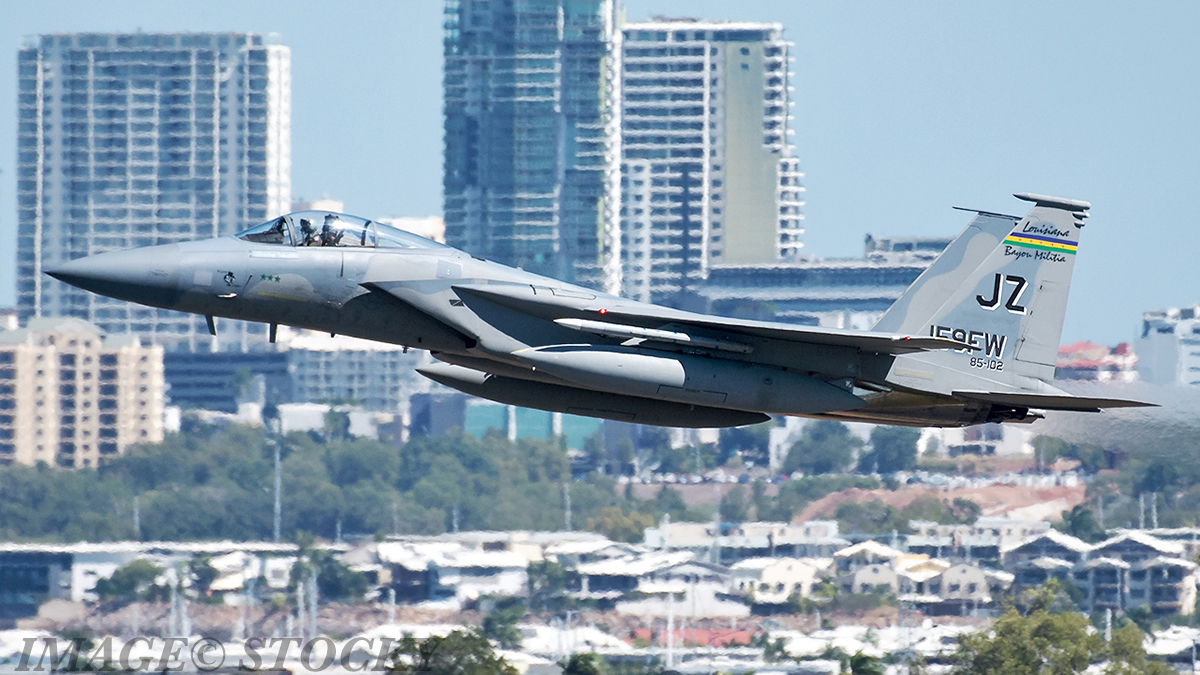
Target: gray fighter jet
<point>973,340</point>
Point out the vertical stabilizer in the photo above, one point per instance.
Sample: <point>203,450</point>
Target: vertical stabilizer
<point>1008,301</point>
<point>910,314</point>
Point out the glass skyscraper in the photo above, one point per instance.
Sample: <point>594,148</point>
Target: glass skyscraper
<point>531,146</point>
<point>138,139</point>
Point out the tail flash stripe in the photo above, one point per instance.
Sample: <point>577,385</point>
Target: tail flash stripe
<point>1042,243</point>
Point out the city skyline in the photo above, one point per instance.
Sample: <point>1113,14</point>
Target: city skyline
<point>141,139</point>
<point>902,112</point>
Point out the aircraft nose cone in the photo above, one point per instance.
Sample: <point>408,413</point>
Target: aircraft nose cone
<point>148,276</point>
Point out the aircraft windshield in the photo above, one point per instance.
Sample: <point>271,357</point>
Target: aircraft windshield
<point>322,228</point>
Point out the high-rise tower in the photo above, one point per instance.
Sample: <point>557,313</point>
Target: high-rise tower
<point>138,139</point>
<point>530,176</point>
<point>708,173</point>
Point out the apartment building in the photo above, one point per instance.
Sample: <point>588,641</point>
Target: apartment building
<point>140,139</point>
<point>707,170</point>
<point>71,396</point>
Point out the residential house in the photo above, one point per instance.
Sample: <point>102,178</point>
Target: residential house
<point>1049,544</point>
<point>1104,583</point>
<point>771,581</point>
<point>868,579</point>
<point>914,577</point>
<point>866,553</point>
<point>962,587</point>
<point>1168,585</point>
<point>428,568</point>
<point>813,539</point>
<point>982,540</point>
<point>614,577</point>
<point>1029,574</point>
<point>1135,546</point>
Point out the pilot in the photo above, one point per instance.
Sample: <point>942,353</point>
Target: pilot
<point>331,234</point>
<point>308,233</point>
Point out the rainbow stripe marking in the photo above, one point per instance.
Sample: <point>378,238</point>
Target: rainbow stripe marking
<point>1041,242</point>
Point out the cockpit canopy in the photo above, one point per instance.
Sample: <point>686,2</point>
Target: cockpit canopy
<point>323,228</point>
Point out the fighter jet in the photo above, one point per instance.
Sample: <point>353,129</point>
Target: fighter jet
<point>973,340</point>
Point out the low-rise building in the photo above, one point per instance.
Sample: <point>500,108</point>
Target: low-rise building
<point>1168,585</point>
<point>1169,346</point>
<point>772,581</point>
<point>1049,544</point>
<point>963,589</point>
<point>1134,546</point>
<point>865,553</point>
<point>688,589</point>
<point>1103,582</point>
<point>982,540</point>
<point>1096,363</point>
<point>963,584</point>
<point>869,579</point>
<point>814,539</point>
<point>1031,573</point>
<point>33,573</point>
<point>622,575</point>
<point>423,569</point>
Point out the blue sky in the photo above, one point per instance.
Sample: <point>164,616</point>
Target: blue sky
<point>903,110</point>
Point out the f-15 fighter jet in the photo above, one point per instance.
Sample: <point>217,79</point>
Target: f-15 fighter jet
<point>973,340</point>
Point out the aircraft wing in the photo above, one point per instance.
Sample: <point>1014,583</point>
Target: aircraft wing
<point>1052,402</point>
<point>617,317</point>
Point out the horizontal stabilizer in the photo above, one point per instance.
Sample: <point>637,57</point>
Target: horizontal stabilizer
<point>1052,402</point>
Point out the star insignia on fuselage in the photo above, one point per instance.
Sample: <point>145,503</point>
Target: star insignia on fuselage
<point>268,277</point>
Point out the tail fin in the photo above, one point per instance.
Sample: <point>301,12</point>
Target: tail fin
<point>910,314</point>
<point>1002,285</point>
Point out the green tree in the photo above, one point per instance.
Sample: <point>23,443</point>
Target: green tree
<point>670,501</point>
<point>500,625</point>
<point>1127,654</point>
<point>547,585</point>
<point>892,449</point>
<point>130,581</point>
<point>863,664</point>
<point>733,507</point>
<point>1041,643</point>
<point>1142,617</point>
<point>751,442</point>
<point>1080,522</point>
<point>336,425</point>
<point>217,483</point>
<point>965,511</point>
<point>760,501</point>
<point>336,581</point>
<point>203,573</point>
<point>794,495</point>
<point>584,664</point>
<point>825,446</point>
<point>872,517</point>
<point>1053,597</point>
<point>462,652</point>
<point>1091,458</point>
<point>614,524</point>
